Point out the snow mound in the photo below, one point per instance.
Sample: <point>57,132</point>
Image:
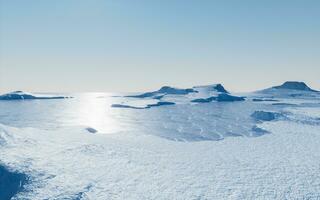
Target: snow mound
<point>19,95</point>
<point>265,116</point>
<point>220,98</point>
<point>294,85</point>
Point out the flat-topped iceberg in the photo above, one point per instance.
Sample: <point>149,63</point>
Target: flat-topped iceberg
<point>289,89</point>
<point>167,90</point>
<point>294,85</point>
<point>20,95</point>
<point>196,94</point>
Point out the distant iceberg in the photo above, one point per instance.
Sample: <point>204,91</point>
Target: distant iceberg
<point>289,89</point>
<point>293,88</point>
<point>167,90</point>
<point>19,95</point>
<point>294,85</point>
<point>198,94</point>
<point>163,91</point>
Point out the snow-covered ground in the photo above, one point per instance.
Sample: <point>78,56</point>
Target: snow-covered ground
<point>217,150</point>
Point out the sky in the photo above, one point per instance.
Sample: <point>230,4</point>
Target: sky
<point>136,45</point>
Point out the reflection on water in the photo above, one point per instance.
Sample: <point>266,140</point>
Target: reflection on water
<point>213,121</point>
<point>88,109</point>
<point>93,110</point>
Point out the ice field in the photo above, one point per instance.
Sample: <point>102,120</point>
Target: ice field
<point>201,142</point>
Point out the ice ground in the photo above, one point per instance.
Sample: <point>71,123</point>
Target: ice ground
<point>137,155</point>
<point>281,165</point>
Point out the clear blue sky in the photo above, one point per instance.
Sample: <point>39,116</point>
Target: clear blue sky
<point>134,45</point>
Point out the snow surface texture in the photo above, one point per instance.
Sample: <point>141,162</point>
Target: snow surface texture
<point>230,150</point>
<point>19,95</point>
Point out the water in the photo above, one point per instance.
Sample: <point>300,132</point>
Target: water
<point>212,121</point>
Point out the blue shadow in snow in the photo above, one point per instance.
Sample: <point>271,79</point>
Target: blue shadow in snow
<point>10,183</point>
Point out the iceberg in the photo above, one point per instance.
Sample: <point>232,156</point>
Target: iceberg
<point>294,85</point>
<point>20,95</point>
<point>196,94</point>
<point>288,90</point>
<point>163,91</point>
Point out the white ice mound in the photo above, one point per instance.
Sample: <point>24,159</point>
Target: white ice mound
<point>19,95</point>
<point>196,94</point>
<point>294,85</point>
<point>289,89</point>
<point>167,90</point>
